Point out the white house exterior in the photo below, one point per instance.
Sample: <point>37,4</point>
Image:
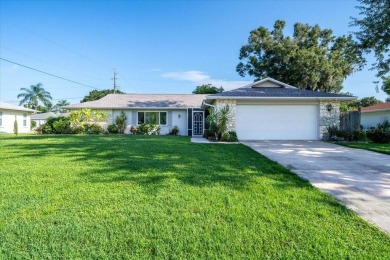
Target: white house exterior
<point>272,110</point>
<point>170,110</point>
<point>10,112</point>
<point>373,115</point>
<point>264,110</point>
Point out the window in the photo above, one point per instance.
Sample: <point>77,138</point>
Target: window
<point>1,118</point>
<point>156,118</point>
<point>24,119</point>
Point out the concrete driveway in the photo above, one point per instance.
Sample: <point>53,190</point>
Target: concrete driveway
<point>358,178</point>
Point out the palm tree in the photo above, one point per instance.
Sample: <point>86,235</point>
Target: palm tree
<point>33,95</point>
<point>61,103</point>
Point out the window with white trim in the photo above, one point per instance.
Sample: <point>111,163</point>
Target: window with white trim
<point>156,118</point>
<point>1,118</point>
<point>24,119</point>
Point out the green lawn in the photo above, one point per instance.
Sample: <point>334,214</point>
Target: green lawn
<point>380,148</point>
<point>103,197</point>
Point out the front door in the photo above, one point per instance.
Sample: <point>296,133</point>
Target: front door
<point>198,123</point>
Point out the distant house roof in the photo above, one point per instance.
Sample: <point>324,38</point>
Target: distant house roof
<point>122,101</point>
<point>8,106</point>
<point>269,88</point>
<point>43,116</point>
<point>377,107</point>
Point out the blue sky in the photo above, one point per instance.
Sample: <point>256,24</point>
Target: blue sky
<point>155,46</point>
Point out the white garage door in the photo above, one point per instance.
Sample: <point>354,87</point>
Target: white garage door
<point>277,122</point>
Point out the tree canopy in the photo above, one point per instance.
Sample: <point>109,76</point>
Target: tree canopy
<point>374,34</point>
<point>207,89</point>
<point>355,104</point>
<point>33,95</point>
<point>98,94</point>
<point>311,59</point>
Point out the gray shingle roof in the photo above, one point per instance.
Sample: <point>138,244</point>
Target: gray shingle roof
<point>43,116</point>
<point>8,106</point>
<point>123,101</point>
<point>274,92</point>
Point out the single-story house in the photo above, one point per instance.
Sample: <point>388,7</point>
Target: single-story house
<point>264,110</point>
<point>10,112</point>
<point>41,118</point>
<point>373,115</point>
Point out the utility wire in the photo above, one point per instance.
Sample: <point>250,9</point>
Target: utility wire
<point>47,73</point>
<point>20,53</point>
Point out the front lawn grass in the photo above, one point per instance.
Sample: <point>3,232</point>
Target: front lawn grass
<point>115,197</point>
<point>380,148</point>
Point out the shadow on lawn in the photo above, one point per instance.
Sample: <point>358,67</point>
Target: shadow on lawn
<point>153,161</point>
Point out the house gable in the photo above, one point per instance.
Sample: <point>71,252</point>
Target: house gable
<point>269,83</point>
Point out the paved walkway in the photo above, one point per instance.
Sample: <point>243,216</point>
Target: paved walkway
<point>358,178</point>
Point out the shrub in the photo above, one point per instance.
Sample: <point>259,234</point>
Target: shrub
<point>52,127</point>
<point>16,131</point>
<point>359,135</point>
<point>148,129</point>
<point>61,127</point>
<point>174,131</point>
<point>207,133</point>
<point>96,129</point>
<point>133,130</point>
<point>380,134</point>
<point>332,131</point>
<point>230,136</point>
<point>121,122</point>
<point>112,129</point>
<point>77,130</point>
<point>33,124</point>
<point>46,129</point>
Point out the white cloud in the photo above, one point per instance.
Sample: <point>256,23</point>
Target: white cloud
<point>199,77</point>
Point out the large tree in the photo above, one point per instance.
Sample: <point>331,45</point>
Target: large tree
<point>355,104</point>
<point>374,34</point>
<point>33,95</point>
<point>311,59</point>
<point>207,89</point>
<point>98,94</point>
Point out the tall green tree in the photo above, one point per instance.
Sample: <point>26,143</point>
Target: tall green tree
<point>374,34</point>
<point>98,94</point>
<point>33,95</point>
<point>355,104</point>
<point>311,59</point>
<point>207,89</point>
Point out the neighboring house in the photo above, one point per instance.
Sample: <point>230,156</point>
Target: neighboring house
<point>373,115</point>
<point>40,119</point>
<point>264,110</point>
<point>10,112</point>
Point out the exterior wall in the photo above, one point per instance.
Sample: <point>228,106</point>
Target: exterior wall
<point>180,122</point>
<point>173,119</point>
<point>329,115</point>
<point>8,118</point>
<point>232,106</point>
<point>372,119</point>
